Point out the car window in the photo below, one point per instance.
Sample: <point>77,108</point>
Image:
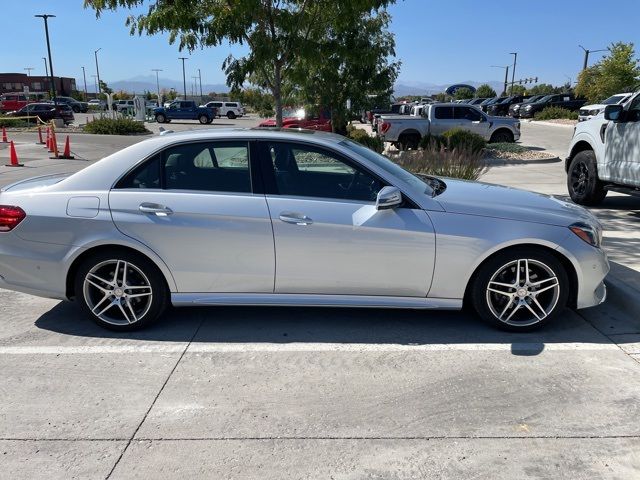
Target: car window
<point>444,113</point>
<point>233,105</point>
<point>466,113</point>
<point>308,171</point>
<point>633,115</point>
<point>146,175</point>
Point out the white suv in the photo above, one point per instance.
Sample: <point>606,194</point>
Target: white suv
<point>230,110</point>
<point>120,105</point>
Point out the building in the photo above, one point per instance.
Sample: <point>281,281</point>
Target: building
<point>15,82</point>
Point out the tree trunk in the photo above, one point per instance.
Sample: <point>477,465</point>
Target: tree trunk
<point>277,94</point>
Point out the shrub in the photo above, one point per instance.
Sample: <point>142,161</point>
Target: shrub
<point>433,140</point>
<point>117,126</point>
<point>508,147</point>
<point>462,162</point>
<point>458,138</point>
<point>552,113</point>
<point>361,136</point>
<point>12,122</point>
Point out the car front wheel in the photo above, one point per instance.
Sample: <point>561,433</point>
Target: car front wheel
<point>231,115</point>
<point>582,180</point>
<point>203,119</point>
<point>502,136</point>
<point>161,118</point>
<point>121,290</point>
<point>520,290</point>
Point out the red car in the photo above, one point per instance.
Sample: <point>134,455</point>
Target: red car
<point>317,120</point>
<point>10,102</point>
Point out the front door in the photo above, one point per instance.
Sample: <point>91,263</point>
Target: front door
<point>193,205</point>
<point>472,120</point>
<point>622,148</point>
<point>329,237</point>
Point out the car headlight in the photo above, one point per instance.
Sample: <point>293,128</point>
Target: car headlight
<point>594,112</point>
<point>590,234</point>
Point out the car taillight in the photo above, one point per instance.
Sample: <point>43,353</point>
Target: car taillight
<point>10,217</point>
<point>384,128</point>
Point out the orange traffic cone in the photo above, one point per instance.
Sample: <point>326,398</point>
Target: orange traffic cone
<point>40,142</point>
<point>67,151</point>
<point>4,135</point>
<point>14,157</point>
<point>54,146</point>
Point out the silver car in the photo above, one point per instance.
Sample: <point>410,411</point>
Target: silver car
<point>260,217</point>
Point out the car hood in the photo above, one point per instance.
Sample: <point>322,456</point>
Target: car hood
<point>496,201</point>
<point>595,106</point>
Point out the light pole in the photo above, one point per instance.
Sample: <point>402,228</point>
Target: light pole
<point>586,55</point>
<point>195,86</point>
<point>200,80</point>
<point>95,54</point>
<point>28,69</point>
<point>184,78</point>
<point>95,79</point>
<point>506,76</point>
<point>84,76</point>
<point>513,72</point>
<point>46,69</point>
<point>45,17</point>
<point>157,70</point>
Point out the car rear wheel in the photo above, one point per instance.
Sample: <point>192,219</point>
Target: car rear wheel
<point>121,291</point>
<point>203,119</point>
<point>231,115</point>
<point>75,109</point>
<point>160,118</point>
<point>502,136</point>
<point>409,141</point>
<point>520,290</point>
<point>582,180</point>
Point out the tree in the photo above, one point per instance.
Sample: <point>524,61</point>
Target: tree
<point>517,89</point>
<point>542,89</point>
<point>616,72</point>
<point>104,88</point>
<point>277,32</point>
<point>485,91</point>
<point>463,94</point>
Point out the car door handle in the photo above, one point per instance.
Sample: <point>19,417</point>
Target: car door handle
<point>295,218</point>
<point>155,208</point>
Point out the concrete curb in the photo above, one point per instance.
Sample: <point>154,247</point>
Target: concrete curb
<point>552,124</point>
<point>622,295</point>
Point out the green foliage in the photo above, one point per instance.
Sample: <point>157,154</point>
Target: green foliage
<point>461,163</point>
<point>458,138</point>
<point>118,126</point>
<point>433,140</point>
<point>255,99</point>
<point>543,89</point>
<point>104,88</point>
<point>77,95</point>
<point>517,90</point>
<point>508,147</point>
<point>616,72</point>
<point>485,91</point>
<point>463,94</point>
<point>441,97</point>
<point>12,122</point>
<point>359,135</point>
<point>551,113</point>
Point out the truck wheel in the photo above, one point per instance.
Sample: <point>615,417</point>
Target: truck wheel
<point>203,119</point>
<point>160,118</point>
<point>409,141</point>
<point>585,188</point>
<point>231,115</point>
<point>501,136</point>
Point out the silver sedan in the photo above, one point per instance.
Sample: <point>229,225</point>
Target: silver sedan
<point>255,217</point>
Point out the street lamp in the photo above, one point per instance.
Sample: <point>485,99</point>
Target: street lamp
<point>184,78</point>
<point>586,55</point>
<point>84,76</point>
<point>95,79</point>
<point>195,86</point>
<point>45,17</point>
<point>157,82</point>
<point>46,69</point>
<point>506,76</point>
<point>28,69</point>
<point>513,72</point>
<point>95,54</point>
<point>200,80</point>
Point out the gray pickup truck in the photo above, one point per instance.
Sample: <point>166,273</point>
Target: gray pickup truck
<point>406,131</point>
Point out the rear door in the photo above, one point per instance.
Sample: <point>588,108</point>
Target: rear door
<point>193,204</point>
<point>442,119</point>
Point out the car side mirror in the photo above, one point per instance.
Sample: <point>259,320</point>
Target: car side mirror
<point>388,197</point>
<point>613,112</point>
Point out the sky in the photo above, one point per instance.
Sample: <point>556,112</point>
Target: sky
<point>437,41</point>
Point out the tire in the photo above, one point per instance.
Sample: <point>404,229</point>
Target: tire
<point>409,141</point>
<point>585,188</point>
<point>98,290</point>
<point>502,136</point>
<point>512,308</point>
<point>210,121</point>
<point>231,115</point>
<point>160,118</point>
<point>75,109</point>
<point>203,119</point>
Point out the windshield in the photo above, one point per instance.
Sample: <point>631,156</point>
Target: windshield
<point>535,98</point>
<point>388,166</point>
<point>545,99</point>
<point>614,99</point>
<point>507,100</point>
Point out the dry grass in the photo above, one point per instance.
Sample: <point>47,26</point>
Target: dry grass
<point>440,162</point>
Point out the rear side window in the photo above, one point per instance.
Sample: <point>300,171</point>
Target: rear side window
<point>444,113</point>
<point>146,175</point>
<point>232,105</point>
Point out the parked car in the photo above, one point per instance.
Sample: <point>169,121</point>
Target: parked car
<point>97,103</point>
<point>604,154</point>
<point>502,108</point>
<point>75,105</point>
<point>484,106</point>
<point>121,105</point>
<point>589,111</point>
<point>562,100</point>
<point>477,101</point>
<point>405,132</point>
<point>179,219</point>
<point>230,110</point>
<point>316,119</point>
<point>45,111</point>
<point>184,110</point>
<point>10,102</point>
<point>514,109</point>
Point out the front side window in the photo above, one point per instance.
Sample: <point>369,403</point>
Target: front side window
<point>308,171</point>
<point>466,113</point>
<point>214,167</point>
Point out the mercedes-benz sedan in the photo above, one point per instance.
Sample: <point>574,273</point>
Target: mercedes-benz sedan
<point>261,217</point>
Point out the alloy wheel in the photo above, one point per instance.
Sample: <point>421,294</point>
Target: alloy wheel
<point>523,292</point>
<point>579,178</point>
<point>117,292</point>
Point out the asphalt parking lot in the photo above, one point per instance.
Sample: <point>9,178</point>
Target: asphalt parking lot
<point>275,393</point>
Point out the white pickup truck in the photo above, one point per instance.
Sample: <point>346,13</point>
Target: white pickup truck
<point>604,154</point>
<point>406,131</point>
